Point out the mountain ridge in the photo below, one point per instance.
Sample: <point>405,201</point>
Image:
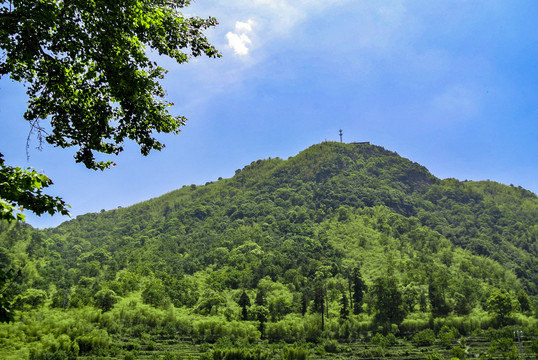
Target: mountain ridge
<point>318,181</point>
<point>348,234</point>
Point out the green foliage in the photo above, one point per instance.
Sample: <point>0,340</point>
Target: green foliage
<point>105,299</point>
<point>154,294</point>
<point>447,336</point>
<point>384,341</point>
<point>7,279</point>
<point>534,346</point>
<point>244,302</point>
<point>271,253</point>
<point>22,189</point>
<point>92,61</point>
<point>87,70</point>
<point>434,356</point>
<point>504,347</point>
<point>295,353</point>
<point>523,301</point>
<point>500,304</point>
<point>330,346</point>
<point>239,354</point>
<point>261,314</point>
<point>388,303</point>
<point>458,353</point>
<point>424,338</point>
<point>32,298</point>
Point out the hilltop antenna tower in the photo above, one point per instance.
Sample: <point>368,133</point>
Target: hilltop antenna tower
<point>340,135</point>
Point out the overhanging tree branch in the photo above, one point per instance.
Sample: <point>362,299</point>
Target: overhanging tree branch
<point>88,73</point>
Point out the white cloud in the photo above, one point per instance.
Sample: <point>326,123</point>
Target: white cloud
<point>239,40</point>
<point>239,43</point>
<point>244,26</point>
<point>252,29</point>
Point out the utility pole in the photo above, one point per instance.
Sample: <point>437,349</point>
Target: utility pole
<point>340,135</point>
<point>519,335</point>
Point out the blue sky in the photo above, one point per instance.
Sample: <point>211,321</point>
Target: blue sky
<point>452,85</point>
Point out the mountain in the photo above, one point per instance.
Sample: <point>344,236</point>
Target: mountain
<point>333,213</point>
<point>286,198</point>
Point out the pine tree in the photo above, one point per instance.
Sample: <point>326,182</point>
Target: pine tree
<point>319,301</point>
<point>359,288</point>
<point>244,301</point>
<point>344,310</point>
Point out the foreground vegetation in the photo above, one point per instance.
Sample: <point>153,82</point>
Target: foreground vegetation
<point>344,250</point>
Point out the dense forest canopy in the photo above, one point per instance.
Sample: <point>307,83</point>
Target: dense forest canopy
<point>337,242</point>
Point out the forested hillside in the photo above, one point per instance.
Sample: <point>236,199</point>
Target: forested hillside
<point>332,246</point>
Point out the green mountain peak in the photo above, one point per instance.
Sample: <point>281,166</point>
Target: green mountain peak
<point>356,219</point>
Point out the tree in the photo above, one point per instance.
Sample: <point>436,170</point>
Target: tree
<point>438,283</point>
<point>261,298</point>
<point>500,305</point>
<point>344,312</point>
<point>23,189</point>
<point>87,71</point>
<point>105,299</point>
<point>320,292</point>
<point>359,288</point>
<point>155,294</point>
<point>388,302</point>
<point>260,313</point>
<point>7,278</point>
<point>244,302</point>
<point>523,300</point>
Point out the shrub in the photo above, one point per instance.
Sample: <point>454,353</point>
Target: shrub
<point>239,354</point>
<point>213,328</point>
<point>505,347</point>
<point>434,356</point>
<point>291,328</point>
<point>376,352</point>
<point>172,356</point>
<point>458,353</point>
<point>151,345</point>
<point>377,339</point>
<point>331,346</point>
<point>129,356</point>
<point>534,346</point>
<point>349,330</point>
<point>424,338</point>
<point>447,336</point>
<point>384,341</point>
<point>390,340</point>
<point>295,353</point>
<point>96,341</point>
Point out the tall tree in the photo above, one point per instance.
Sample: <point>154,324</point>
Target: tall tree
<point>87,72</point>
<point>244,302</point>
<point>389,302</point>
<point>344,310</point>
<point>359,288</point>
<point>500,305</point>
<point>260,298</point>
<point>260,313</point>
<point>436,293</point>
<point>320,293</point>
<point>523,300</point>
